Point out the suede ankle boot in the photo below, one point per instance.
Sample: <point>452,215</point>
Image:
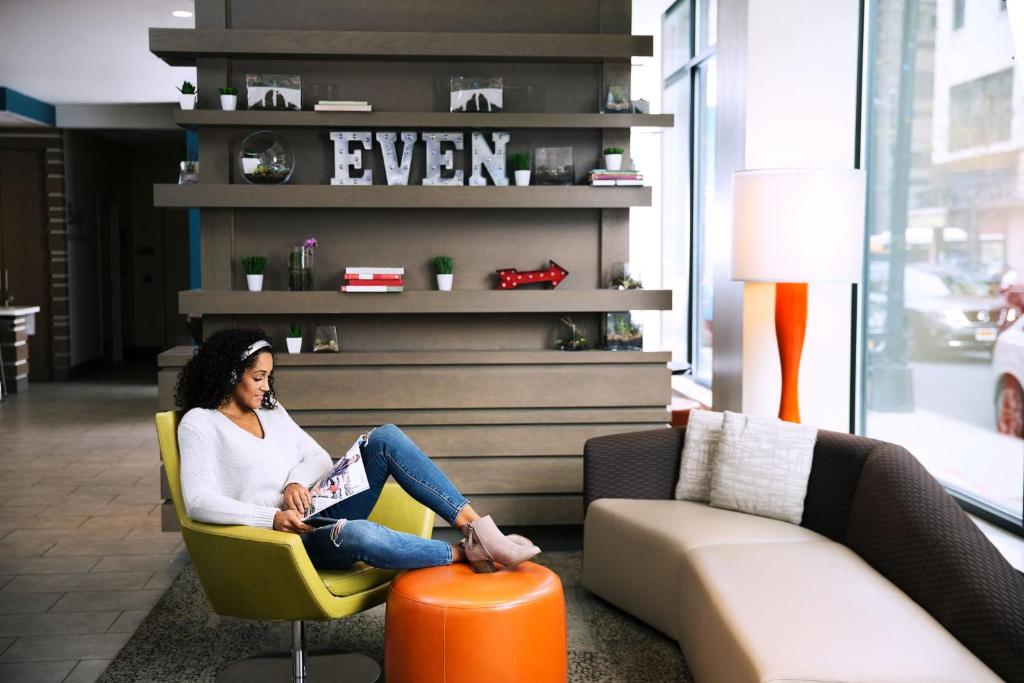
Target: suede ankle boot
<point>484,545</point>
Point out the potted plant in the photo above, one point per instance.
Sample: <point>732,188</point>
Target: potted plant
<point>572,338</point>
<point>294,339</point>
<point>228,98</point>
<point>254,267</point>
<point>187,98</point>
<point>300,266</point>
<point>520,163</point>
<point>613,158</point>
<point>444,266</point>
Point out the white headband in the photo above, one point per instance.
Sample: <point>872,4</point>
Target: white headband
<point>253,348</point>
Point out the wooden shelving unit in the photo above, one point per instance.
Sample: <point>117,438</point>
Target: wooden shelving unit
<point>237,196</point>
<point>416,120</point>
<point>181,47</point>
<point>198,301</point>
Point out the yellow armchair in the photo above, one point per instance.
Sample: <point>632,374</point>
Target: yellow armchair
<point>257,573</point>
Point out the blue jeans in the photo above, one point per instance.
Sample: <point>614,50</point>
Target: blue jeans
<point>387,451</point>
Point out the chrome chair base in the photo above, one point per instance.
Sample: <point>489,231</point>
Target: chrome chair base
<point>351,667</point>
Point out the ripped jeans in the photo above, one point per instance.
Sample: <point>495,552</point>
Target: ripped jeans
<point>387,451</point>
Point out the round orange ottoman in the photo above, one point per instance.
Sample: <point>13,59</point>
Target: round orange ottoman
<point>451,625</point>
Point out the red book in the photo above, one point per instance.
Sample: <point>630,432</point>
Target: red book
<point>372,276</point>
<point>383,282</point>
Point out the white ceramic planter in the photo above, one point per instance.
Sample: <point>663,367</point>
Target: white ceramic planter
<point>444,282</point>
<point>612,162</point>
<point>229,102</point>
<point>255,282</point>
<point>294,344</point>
<point>522,178</point>
<point>187,101</point>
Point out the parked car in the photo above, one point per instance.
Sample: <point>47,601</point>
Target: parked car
<point>1008,371</point>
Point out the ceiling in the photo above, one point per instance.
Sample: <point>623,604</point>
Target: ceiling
<point>89,51</point>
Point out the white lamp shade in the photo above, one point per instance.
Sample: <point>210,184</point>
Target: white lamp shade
<point>798,225</point>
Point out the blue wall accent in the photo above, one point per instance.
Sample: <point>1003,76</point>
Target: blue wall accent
<point>28,107</point>
<point>195,278</point>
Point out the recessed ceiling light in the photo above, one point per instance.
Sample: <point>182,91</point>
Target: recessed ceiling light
<point>181,14</point>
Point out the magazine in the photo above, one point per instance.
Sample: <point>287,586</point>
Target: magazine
<point>346,479</point>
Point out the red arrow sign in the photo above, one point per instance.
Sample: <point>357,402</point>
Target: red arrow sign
<point>512,278</point>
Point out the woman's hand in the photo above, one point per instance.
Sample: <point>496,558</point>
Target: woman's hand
<point>296,497</point>
<point>291,522</point>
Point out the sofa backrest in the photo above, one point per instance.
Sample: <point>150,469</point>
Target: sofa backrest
<point>835,471</point>
<point>905,525</point>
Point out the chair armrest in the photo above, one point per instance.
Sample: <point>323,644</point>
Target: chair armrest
<point>633,465</point>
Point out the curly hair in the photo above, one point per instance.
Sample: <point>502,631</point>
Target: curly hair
<point>211,374</point>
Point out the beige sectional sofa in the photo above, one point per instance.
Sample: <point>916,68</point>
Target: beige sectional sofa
<point>885,580</point>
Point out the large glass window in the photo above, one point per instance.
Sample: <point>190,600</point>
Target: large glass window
<point>944,332</point>
<point>689,31</point>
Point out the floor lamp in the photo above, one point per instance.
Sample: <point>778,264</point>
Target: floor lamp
<point>792,227</point>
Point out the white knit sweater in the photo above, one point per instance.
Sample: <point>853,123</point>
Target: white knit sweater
<point>230,476</point>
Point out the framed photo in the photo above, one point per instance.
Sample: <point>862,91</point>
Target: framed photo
<point>553,166</point>
<point>273,91</point>
<point>476,94</point>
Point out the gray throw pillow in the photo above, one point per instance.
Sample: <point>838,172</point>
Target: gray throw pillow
<point>761,466</point>
<point>703,432</point>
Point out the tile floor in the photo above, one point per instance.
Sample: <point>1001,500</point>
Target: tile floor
<point>82,557</point>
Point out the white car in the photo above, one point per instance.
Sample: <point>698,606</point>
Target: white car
<point>1008,367</point>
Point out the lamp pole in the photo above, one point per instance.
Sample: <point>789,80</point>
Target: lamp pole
<point>892,388</point>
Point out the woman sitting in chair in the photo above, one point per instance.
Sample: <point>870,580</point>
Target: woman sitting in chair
<point>245,461</point>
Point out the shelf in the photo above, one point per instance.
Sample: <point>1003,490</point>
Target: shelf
<point>181,47</point>
<point>223,302</point>
<point>179,355</point>
<point>407,120</point>
<point>241,196</point>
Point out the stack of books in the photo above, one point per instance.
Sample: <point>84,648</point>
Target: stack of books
<point>600,176</point>
<point>374,279</point>
<point>342,105</point>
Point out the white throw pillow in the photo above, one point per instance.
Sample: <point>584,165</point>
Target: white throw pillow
<point>703,432</point>
<point>761,466</point>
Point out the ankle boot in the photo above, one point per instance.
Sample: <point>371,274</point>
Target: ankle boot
<point>485,544</point>
<point>515,538</point>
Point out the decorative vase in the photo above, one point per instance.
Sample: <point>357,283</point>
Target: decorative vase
<point>294,344</point>
<point>255,282</point>
<point>187,101</point>
<point>612,162</point>
<point>229,102</point>
<point>522,178</point>
<point>266,159</point>
<point>300,270</point>
<point>444,281</point>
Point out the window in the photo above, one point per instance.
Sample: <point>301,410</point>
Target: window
<point>980,111</point>
<point>943,344</point>
<point>689,30</point>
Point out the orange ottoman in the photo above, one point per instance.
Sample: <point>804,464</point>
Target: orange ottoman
<point>451,625</point>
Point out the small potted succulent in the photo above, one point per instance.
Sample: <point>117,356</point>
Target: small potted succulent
<point>613,158</point>
<point>571,338</point>
<point>520,163</point>
<point>294,339</point>
<point>187,96</point>
<point>445,267</point>
<point>228,98</point>
<point>254,267</point>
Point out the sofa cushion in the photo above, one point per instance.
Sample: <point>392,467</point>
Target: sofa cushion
<point>761,466</point>
<point>812,611</point>
<point>632,549</point>
<point>703,434</point>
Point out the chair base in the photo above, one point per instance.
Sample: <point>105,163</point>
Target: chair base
<point>351,667</point>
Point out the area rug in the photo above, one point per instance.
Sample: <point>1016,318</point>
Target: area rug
<point>183,640</point>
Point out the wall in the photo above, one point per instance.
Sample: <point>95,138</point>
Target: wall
<point>789,99</point>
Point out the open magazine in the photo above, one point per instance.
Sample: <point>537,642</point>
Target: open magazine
<point>346,479</point>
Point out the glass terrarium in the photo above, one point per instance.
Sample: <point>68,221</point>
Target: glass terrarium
<point>571,336</point>
<point>325,339</point>
<point>266,159</point>
<point>623,276</point>
<point>623,332</point>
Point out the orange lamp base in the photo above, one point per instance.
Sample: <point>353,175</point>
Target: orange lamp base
<point>790,327</point>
